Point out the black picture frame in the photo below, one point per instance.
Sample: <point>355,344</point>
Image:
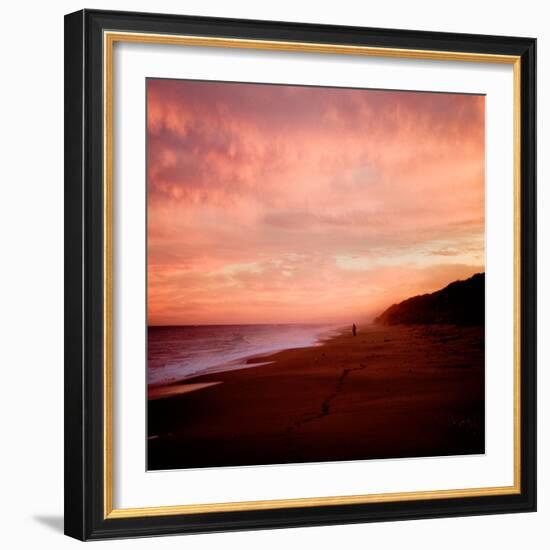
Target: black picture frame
<point>85,517</point>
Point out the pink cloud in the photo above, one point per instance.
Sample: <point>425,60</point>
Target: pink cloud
<point>264,176</point>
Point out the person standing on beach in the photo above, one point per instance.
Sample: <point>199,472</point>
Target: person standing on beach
<point>354,330</point>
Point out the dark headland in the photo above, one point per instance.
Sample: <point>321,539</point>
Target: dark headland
<point>460,303</point>
<point>409,385</point>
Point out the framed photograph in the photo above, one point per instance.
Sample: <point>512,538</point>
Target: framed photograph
<point>300,274</point>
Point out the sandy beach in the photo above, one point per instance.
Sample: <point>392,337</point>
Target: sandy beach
<point>389,392</point>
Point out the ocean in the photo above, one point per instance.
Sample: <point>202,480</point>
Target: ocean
<point>176,353</point>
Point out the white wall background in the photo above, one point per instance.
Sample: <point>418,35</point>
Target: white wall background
<point>31,273</point>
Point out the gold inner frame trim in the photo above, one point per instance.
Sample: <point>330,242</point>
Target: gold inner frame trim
<point>109,39</point>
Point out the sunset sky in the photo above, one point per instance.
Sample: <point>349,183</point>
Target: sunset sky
<point>292,204</point>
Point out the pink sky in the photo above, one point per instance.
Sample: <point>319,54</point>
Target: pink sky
<point>290,204</point>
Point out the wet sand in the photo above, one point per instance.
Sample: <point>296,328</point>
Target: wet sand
<point>389,392</point>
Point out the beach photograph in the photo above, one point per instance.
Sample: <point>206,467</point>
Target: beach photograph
<point>315,274</point>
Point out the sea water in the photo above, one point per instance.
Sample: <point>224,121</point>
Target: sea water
<point>176,353</point>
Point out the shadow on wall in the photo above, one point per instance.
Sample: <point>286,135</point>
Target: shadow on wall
<point>55,523</point>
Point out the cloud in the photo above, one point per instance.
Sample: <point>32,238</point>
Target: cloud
<point>290,178</point>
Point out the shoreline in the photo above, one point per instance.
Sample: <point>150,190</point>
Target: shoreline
<point>251,360</point>
<point>375,395</point>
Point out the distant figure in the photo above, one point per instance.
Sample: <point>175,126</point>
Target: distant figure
<point>354,330</point>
